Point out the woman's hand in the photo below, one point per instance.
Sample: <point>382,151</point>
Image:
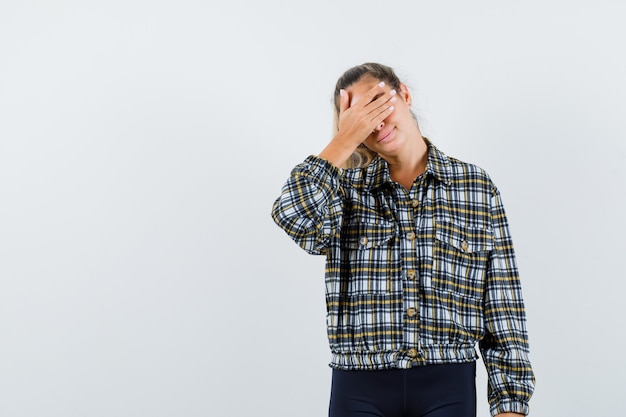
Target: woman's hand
<point>357,120</point>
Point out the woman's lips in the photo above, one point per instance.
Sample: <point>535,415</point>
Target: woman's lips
<point>385,136</point>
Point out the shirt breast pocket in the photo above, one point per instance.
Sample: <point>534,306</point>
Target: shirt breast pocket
<point>367,256</point>
<point>460,258</point>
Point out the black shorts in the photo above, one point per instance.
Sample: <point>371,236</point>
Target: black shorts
<point>429,391</point>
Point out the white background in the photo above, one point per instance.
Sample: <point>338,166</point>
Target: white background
<point>142,144</point>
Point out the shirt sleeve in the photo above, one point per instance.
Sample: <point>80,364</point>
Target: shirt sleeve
<point>309,207</point>
<point>505,345</point>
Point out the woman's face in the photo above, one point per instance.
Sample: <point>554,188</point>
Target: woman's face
<point>389,137</point>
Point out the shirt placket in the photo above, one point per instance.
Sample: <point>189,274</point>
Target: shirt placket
<point>408,208</point>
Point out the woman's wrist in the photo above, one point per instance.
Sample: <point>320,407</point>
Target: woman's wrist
<point>338,151</point>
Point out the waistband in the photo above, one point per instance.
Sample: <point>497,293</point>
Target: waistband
<point>403,359</point>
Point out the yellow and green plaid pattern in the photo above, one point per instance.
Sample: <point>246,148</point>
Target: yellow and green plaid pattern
<point>417,276</point>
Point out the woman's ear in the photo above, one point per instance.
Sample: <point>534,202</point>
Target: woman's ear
<point>404,92</point>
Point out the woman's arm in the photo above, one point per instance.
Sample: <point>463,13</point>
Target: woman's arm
<point>505,345</point>
<point>309,208</point>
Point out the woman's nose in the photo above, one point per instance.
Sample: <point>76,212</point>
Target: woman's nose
<point>380,126</point>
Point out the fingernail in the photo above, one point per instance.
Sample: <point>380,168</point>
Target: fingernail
<point>391,108</point>
<point>393,99</point>
<point>392,92</point>
<point>381,84</point>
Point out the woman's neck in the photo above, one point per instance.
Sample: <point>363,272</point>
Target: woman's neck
<point>409,164</point>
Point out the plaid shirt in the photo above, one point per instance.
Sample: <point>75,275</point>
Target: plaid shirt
<point>417,276</point>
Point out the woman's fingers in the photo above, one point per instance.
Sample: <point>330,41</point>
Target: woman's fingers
<point>367,98</point>
<point>382,105</point>
<point>343,101</point>
<point>376,101</point>
<point>359,118</point>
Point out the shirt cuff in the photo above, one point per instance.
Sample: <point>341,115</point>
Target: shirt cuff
<point>319,163</point>
<point>509,406</point>
<point>321,171</point>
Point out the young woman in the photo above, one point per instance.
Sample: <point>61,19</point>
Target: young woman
<point>420,265</point>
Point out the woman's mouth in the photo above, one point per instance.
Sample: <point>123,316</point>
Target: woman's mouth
<point>385,136</point>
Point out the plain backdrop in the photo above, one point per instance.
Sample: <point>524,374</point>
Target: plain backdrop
<point>142,144</point>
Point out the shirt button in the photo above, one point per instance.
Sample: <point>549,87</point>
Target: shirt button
<point>410,235</point>
<point>363,240</point>
<point>464,245</point>
<point>411,312</point>
<point>411,274</point>
<point>412,353</point>
<point>415,203</point>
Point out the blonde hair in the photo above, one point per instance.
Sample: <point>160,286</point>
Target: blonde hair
<point>362,156</point>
